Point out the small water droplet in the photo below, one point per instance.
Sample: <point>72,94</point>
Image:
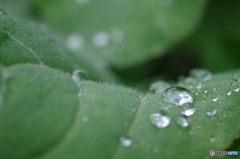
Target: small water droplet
<point>196,94</point>
<point>75,41</point>
<point>236,90</point>
<point>101,39</point>
<point>229,93</point>
<point>212,112</point>
<point>82,1</point>
<point>159,87</point>
<point>201,74</point>
<point>188,112</point>
<point>166,3</point>
<point>125,142</point>
<point>205,91</point>
<point>212,139</point>
<point>85,119</point>
<point>236,77</point>
<point>1,12</point>
<point>159,120</point>
<point>75,75</point>
<point>199,86</point>
<point>182,121</point>
<point>177,95</point>
<point>161,23</point>
<point>216,99</point>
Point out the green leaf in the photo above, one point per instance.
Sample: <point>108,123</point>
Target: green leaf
<point>24,42</point>
<point>217,39</point>
<point>45,114</point>
<point>125,33</point>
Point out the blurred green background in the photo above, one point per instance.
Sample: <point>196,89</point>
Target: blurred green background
<point>143,41</point>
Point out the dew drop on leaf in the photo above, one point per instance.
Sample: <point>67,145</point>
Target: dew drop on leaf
<point>211,112</point>
<point>216,99</point>
<point>85,119</point>
<point>236,90</point>
<point>125,142</point>
<point>212,139</point>
<point>188,112</point>
<point>159,120</point>
<point>75,41</point>
<point>182,121</point>
<point>101,39</point>
<point>159,87</point>
<point>177,95</point>
<point>201,74</point>
<point>229,93</point>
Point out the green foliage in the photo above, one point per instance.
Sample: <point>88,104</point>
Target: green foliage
<point>49,110</point>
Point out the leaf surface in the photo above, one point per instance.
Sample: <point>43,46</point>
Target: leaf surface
<point>45,114</point>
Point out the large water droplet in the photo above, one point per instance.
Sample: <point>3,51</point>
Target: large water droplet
<point>188,112</point>
<point>159,120</point>
<point>201,74</point>
<point>75,41</point>
<point>125,142</point>
<point>177,95</point>
<point>101,39</point>
<point>182,121</point>
<point>211,112</point>
<point>159,87</point>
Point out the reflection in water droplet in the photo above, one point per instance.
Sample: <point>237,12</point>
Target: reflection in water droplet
<point>177,95</point>
<point>166,3</point>
<point>229,93</point>
<point>75,41</point>
<point>182,121</point>
<point>159,120</point>
<point>85,119</point>
<point>236,90</point>
<point>161,23</point>
<point>188,112</point>
<point>82,1</point>
<point>101,39</point>
<point>212,112</point>
<point>216,99</point>
<point>125,142</point>
<point>201,74</point>
<point>159,87</point>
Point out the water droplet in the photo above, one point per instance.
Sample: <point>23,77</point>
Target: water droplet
<point>117,35</point>
<point>229,93</point>
<point>177,95</point>
<point>85,119</point>
<point>236,90</point>
<point>75,41</point>
<point>101,39</point>
<point>1,12</point>
<point>212,112</point>
<point>216,99</point>
<point>196,94</point>
<point>205,91</point>
<point>199,86</point>
<point>166,3</point>
<point>82,1</point>
<point>159,87</point>
<point>182,121</point>
<point>161,23</point>
<point>212,139</point>
<point>201,74</point>
<point>159,120</point>
<point>125,142</point>
<point>75,75</point>
<point>233,83</point>
<point>188,112</point>
<point>236,77</point>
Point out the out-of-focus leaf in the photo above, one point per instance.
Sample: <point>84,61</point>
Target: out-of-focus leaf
<point>123,32</point>
<point>32,43</point>
<point>217,40</point>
